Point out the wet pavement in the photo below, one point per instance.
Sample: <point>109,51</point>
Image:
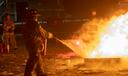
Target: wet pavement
<point>60,61</point>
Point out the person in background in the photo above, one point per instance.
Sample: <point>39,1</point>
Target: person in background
<point>8,33</point>
<point>36,42</point>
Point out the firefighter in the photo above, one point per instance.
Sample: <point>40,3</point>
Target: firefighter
<point>8,33</point>
<point>36,40</point>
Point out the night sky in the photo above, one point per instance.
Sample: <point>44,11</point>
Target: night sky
<point>75,8</point>
<point>80,8</point>
<point>85,7</point>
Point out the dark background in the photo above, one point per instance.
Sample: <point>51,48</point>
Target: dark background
<point>63,18</point>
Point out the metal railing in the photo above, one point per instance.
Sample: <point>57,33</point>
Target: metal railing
<point>3,6</point>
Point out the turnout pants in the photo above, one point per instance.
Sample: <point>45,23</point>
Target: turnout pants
<point>35,61</point>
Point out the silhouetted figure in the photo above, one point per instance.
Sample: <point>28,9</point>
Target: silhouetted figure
<point>8,33</point>
<point>36,40</point>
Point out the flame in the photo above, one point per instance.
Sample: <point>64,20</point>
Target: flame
<point>102,38</point>
<point>114,40</point>
<point>77,43</point>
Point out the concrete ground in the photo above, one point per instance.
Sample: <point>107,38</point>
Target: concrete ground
<point>60,61</point>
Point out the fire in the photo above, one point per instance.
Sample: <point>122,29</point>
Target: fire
<point>114,40</point>
<point>102,38</point>
<point>77,43</point>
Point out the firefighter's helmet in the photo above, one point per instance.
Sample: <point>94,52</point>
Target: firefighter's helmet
<point>33,12</point>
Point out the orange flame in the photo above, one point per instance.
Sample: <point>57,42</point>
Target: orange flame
<point>114,40</point>
<point>102,38</point>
